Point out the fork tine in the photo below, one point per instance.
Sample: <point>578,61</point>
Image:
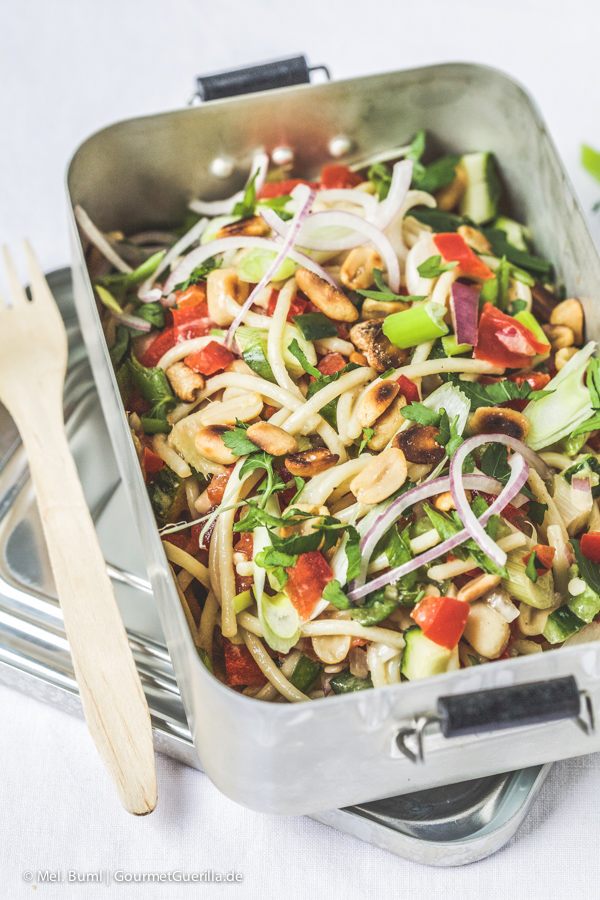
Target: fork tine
<point>40,290</point>
<point>17,293</point>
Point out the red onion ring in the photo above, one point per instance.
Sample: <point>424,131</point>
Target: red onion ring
<point>505,497</point>
<point>222,245</point>
<point>581,484</point>
<point>133,322</point>
<point>464,305</point>
<point>305,196</point>
<point>519,473</point>
<point>260,162</point>
<point>336,218</point>
<point>389,208</point>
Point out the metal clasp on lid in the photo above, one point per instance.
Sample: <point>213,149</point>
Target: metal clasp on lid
<point>478,712</point>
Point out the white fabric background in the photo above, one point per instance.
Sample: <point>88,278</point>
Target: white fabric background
<point>69,67</point>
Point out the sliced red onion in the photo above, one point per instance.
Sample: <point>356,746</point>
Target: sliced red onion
<point>99,240</point>
<point>359,229</point>
<point>305,197</point>
<point>189,238</point>
<point>464,306</point>
<point>349,195</point>
<point>151,296</point>
<point>505,497</point>
<point>222,245</point>
<point>393,512</point>
<point>581,484</point>
<point>519,473</point>
<point>133,322</point>
<point>260,165</point>
<point>390,207</point>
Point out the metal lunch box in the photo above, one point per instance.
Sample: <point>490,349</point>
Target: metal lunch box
<point>298,759</point>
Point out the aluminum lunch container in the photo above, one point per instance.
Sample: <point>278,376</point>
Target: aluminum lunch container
<point>304,758</point>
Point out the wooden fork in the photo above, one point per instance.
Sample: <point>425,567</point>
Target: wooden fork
<point>33,362</point>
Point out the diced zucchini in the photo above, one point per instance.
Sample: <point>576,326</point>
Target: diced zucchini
<point>255,264</point>
<point>422,657</point>
<point>253,347</point>
<point>167,496</point>
<point>517,235</point>
<point>306,671</point>
<point>561,624</point>
<point>347,683</point>
<point>480,201</point>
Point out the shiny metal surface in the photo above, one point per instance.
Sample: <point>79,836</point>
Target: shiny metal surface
<point>34,654</point>
<point>142,173</point>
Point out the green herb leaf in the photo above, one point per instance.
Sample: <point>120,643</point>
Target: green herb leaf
<point>246,207</point>
<point>437,175</point>
<point>334,594</point>
<point>421,414</point>
<point>238,443</point>
<point>376,608</point>
<point>352,552</point>
<point>490,394</point>
<point>473,660</point>
<point>200,273</point>
<point>367,435</point>
<point>153,313</point>
<point>121,346</point>
<point>494,462</point>
<point>381,177</point>
<point>383,293</point>
<point>518,306</point>
<point>295,350</point>
<point>537,511</point>
<point>589,571</point>
<point>315,326</point>
<point>415,152</point>
<point>433,267</point>
<point>530,569</point>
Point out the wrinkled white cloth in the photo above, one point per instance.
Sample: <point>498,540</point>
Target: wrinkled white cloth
<point>69,68</point>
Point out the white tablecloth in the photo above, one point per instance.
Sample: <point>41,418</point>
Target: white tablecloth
<point>69,67</point>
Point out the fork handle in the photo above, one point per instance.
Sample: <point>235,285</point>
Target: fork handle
<point>113,701</point>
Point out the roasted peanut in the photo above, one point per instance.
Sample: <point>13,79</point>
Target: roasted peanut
<point>419,444</point>
<point>380,477</point>
<point>388,424</point>
<point>359,358</point>
<point>444,501</point>
<point>185,382</point>
<point>254,226</point>
<point>376,401</point>
<point>450,196</point>
<point>209,444</point>
<point>357,270</point>
<point>560,336</point>
<point>375,309</point>
<point>494,419</point>
<point>222,287</point>
<point>380,352</point>
<point>563,356</point>
<point>475,239</point>
<point>332,648</point>
<point>569,313</point>
<point>326,297</point>
<point>486,631</point>
<point>272,439</point>
<point>310,462</point>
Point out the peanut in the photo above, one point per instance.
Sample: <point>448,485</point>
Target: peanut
<point>569,313</point>
<point>388,424</point>
<point>224,291</point>
<point>493,419</point>
<point>185,382</point>
<point>560,336</point>
<point>209,444</point>
<point>357,270</point>
<point>310,462</point>
<point>381,477</point>
<point>376,401</point>
<point>326,297</point>
<point>272,439</point>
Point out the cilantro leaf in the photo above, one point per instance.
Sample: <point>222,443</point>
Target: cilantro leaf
<point>433,267</point>
<point>421,414</point>
<point>449,435</point>
<point>494,462</point>
<point>153,313</point>
<point>436,175</point>
<point>415,152</point>
<point>334,594</point>
<point>589,571</point>
<point>277,203</point>
<point>271,558</point>
<point>490,394</point>
<point>539,395</point>
<point>517,306</point>
<point>238,443</point>
<point>530,569</point>
<point>380,175</point>
<point>353,552</point>
<point>537,511</point>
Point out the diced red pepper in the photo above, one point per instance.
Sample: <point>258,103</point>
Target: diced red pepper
<point>245,544</point>
<point>307,581</point>
<point>537,380</point>
<point>454,248</point>
<point>176,334</point>
<point>152,463</point>
<point>188,315</point>
<point>590,546</point>
<point>337,176</point>
<point>210,359</point>
<point>503,341</point>
<point>297,306</point>
<point>240,666</point>
<point>409,389</point>
<point>332,363</point>
<point>192,296</point>
<point>544,558</point>
<point>282,188</point>
<point>218,485</point>
<point>442,619</point>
